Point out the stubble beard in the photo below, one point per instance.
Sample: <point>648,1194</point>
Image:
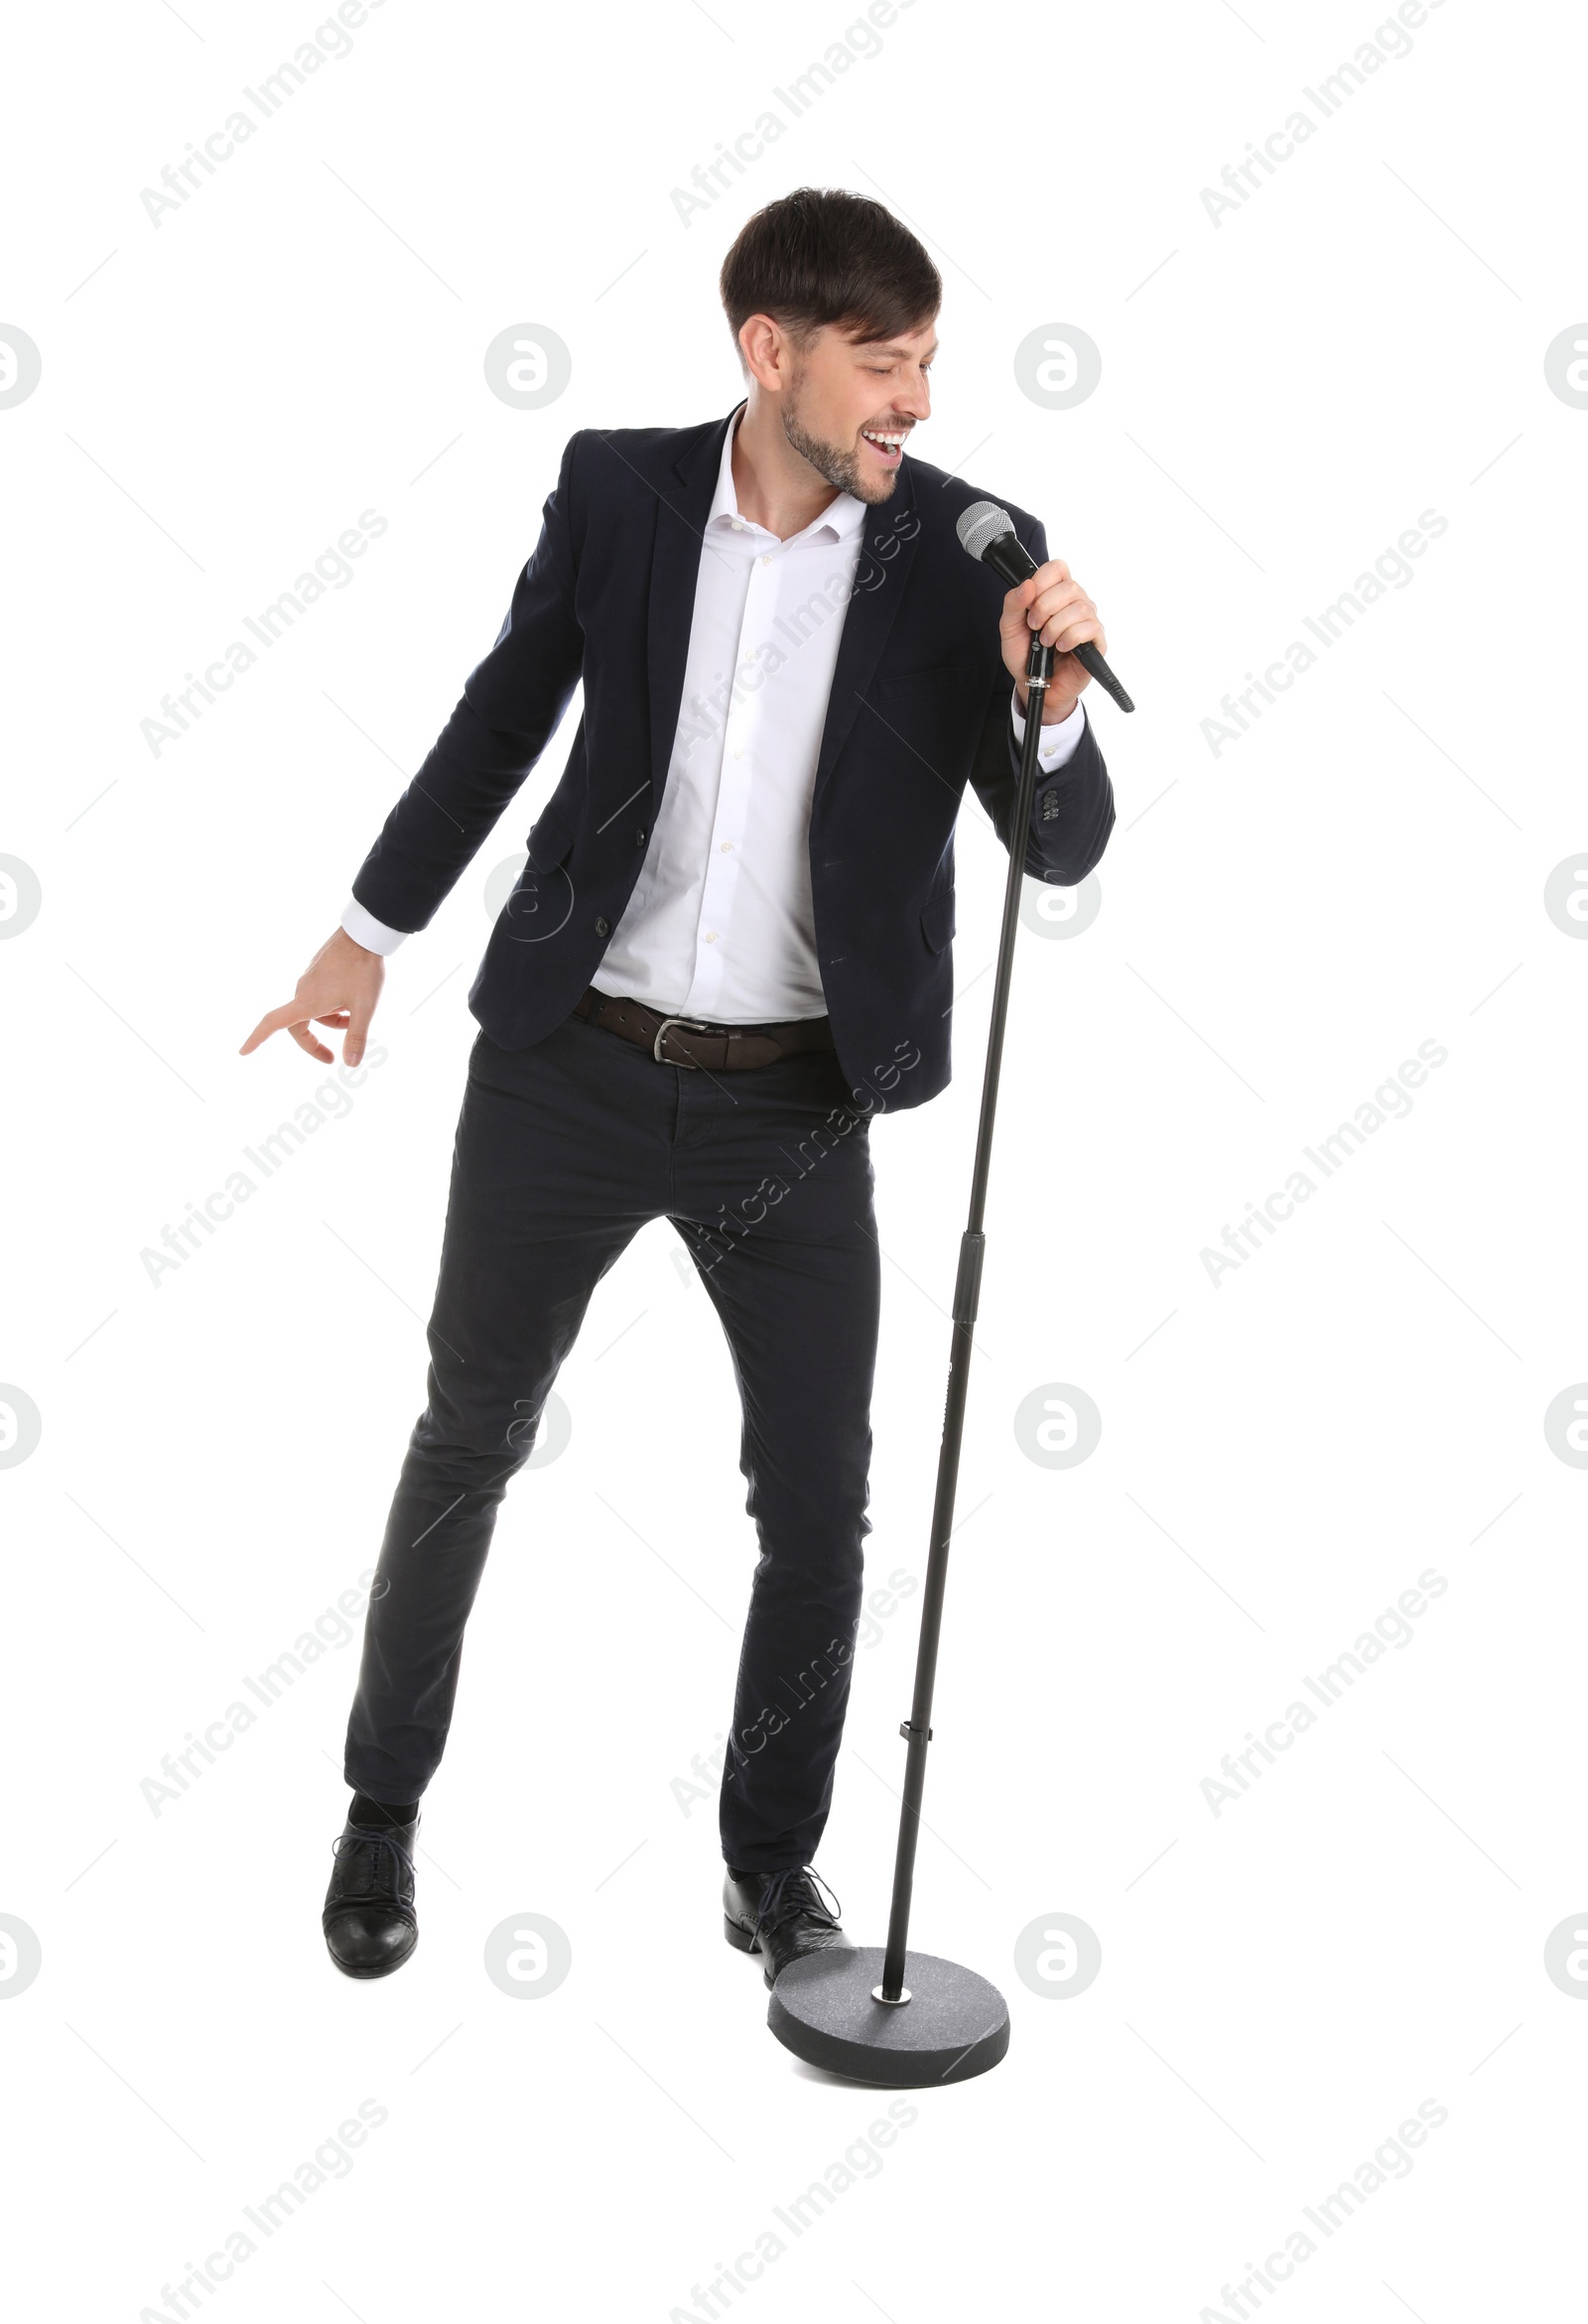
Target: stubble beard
<point>838,467</point>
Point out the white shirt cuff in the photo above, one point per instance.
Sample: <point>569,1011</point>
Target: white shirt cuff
<point>365,929</point>
<point>1058,743</point>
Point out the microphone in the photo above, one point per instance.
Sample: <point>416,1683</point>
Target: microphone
<point>987,532</point>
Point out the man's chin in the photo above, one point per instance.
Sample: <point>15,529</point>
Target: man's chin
<point>860,479</point>
<point>874,491</point>
<point>849,473</point>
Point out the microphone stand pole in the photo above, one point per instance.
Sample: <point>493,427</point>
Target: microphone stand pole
<point>826,2007</point>
<point>917,1729</point>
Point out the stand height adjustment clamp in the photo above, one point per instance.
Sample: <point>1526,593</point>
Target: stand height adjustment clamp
<point>909,1733</point>
<point>968,1281</point>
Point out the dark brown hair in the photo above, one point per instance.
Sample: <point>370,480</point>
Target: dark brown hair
<point>821,256</point>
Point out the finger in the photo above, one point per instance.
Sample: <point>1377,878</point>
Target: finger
<point>359,1017</point>
<point>1068,617</point>
<point>1064,606</point>
<point>338,1017</point>
<point>1055,600</point>
<point>1046,576</point>
<point>268,1025</point>
<point>1067,635</point>
<point>307,1039</point>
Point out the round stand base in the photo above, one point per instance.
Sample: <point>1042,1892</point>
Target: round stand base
<point>955,2024</point>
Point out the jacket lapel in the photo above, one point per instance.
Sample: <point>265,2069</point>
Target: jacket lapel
<point>888,543</point>
<point>683,504</point>
<point>890,539</point>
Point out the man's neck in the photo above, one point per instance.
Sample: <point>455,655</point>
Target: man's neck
<point>775,486</point>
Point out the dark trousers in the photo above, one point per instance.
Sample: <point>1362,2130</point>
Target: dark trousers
<point>563,1152</point>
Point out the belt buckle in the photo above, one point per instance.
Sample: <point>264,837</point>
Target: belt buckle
<point>679,1064</point>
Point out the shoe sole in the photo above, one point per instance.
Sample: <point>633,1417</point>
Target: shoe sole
<point>744,1942</point>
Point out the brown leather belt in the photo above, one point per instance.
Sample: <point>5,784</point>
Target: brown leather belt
<point>687,1042</point>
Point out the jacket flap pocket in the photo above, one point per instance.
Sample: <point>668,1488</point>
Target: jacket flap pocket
<point>937,921</point>
<point>550,838</point>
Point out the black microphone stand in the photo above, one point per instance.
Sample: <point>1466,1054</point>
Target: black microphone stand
<point>967,1290</point>
<point>833,2008</point>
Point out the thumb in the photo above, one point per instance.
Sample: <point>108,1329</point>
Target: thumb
<point>1013,620</point>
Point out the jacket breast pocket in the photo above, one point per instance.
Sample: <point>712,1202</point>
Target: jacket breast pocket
<point>937,923</point>
<point>935,674</point>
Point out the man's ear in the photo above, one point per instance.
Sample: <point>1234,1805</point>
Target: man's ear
<point>765,347</point>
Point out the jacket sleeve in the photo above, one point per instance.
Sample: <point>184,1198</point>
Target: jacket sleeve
<point>1072,813</point>
<point>512,704</point>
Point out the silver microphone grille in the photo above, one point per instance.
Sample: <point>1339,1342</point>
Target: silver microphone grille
<point>983,523</point>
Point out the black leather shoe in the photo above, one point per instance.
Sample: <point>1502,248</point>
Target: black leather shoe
<point>781,1917</point>
<point>369,1920</point>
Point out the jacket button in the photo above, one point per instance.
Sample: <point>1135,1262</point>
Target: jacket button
<point>603,928</point>
<point>639,837</point>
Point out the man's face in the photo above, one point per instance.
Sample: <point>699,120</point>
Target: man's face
<point>843,397</point>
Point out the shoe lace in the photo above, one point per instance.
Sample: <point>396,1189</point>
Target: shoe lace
<point>796,1889</point>
<point>368,1870</point>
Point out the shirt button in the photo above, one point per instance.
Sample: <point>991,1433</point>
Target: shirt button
<point>710,936</point>
<point>767,560</point>
<point>728,846</point>
<point>738,750</point>
<point>603,928</point>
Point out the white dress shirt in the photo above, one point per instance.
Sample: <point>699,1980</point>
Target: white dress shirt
<point>720,924</point>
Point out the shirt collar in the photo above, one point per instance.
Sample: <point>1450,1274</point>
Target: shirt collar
<point>839,521</point>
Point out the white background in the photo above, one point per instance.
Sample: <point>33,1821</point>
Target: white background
<point>1283,1983</point>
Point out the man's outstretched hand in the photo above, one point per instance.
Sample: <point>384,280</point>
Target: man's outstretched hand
<point>339,988</point>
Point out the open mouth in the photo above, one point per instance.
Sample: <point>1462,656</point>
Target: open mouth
<point>886,442</point>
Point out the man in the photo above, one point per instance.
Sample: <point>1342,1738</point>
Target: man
<point>730,946</point>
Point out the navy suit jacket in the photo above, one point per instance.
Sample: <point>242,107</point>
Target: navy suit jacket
<point>919,706</point>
